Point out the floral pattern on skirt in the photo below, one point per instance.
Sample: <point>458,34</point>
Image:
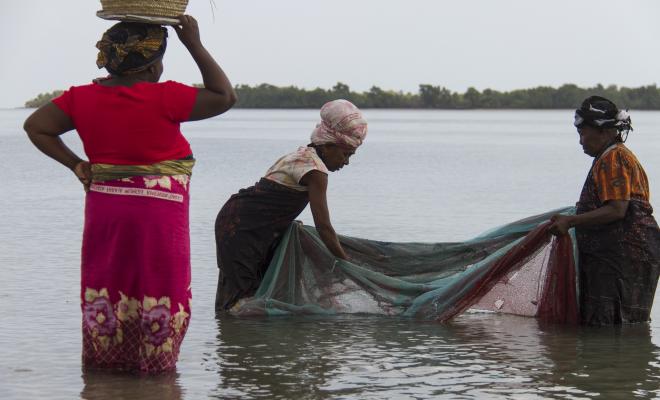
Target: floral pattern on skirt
<point>131,334</point>
<point>135,290</point>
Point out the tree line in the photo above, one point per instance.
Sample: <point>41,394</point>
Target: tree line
<point>433,97</point>
<point>42,99</point>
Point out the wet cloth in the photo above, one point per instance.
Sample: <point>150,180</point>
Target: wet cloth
<point>519,268</point>
<point>290,169</point>
<point>619,262</point>
<point>134,125</point>
<point>342,123</point>
<point>135,286</point>
<point>247,230</point>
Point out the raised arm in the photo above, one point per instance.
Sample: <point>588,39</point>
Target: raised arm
<point>44,127</point>
<point>218,95</point>
<point>317,184</point>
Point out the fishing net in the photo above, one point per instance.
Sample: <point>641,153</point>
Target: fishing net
<point>518,268</point>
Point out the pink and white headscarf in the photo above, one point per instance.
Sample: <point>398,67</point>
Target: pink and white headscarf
<point>341,123</point>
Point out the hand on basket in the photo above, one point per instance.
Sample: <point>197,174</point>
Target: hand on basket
<point>188,31</point>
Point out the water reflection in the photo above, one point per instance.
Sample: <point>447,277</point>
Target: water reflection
<point>105,385</point>
<point>367,357</point>
<point>274,357</point>
<point>617,362</point>
<point>475,356</point>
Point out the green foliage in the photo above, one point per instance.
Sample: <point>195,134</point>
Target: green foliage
<point>434,97</point>
<point>42,99</point>
<point>437,97</point>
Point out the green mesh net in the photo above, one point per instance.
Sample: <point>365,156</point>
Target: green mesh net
<point>518,268</point>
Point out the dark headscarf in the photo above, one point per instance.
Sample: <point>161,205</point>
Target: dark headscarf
<point>599,112</point>
<point>130,47</point>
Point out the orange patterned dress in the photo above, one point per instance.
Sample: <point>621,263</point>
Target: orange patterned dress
<point>619,262</point>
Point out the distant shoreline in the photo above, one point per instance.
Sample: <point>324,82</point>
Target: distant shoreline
<point>568,96</point>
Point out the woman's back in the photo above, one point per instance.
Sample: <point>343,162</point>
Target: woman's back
<point>136,124</point>
<point>135,262</point>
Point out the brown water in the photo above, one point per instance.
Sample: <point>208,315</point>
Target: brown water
<point>421,176</point>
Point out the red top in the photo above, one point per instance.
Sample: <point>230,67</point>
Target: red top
<point>130,125</point>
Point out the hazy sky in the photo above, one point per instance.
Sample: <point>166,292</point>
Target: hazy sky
<point>499,44</point>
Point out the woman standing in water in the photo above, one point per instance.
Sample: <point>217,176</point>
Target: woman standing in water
<point>618,238</point>
<point>135,287</point>
<point>251,223</point>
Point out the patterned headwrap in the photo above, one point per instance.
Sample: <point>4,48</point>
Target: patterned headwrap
<point>130,47</point>
<point>599,112</point>
<point>341,123</point>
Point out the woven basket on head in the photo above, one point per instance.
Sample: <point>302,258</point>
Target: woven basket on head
<point>153,11</point>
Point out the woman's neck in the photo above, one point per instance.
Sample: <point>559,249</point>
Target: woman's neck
<point>128,80</point>
<point>605,147</point>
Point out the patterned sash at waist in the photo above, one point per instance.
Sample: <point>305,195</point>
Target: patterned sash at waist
<point>107,172</point>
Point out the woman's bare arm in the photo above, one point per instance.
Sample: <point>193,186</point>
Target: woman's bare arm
<point>317,184</point>
<point>613,210</point>
<point>44,127</point>
<point>218,95</point>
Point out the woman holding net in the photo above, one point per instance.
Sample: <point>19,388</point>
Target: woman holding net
<point>251,223</point>
<point>618,238</point>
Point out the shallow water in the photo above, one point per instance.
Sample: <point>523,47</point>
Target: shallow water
<point>421,176</point>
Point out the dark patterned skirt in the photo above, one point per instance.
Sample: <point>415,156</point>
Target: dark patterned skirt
<point>247,231</point>
<point>619,267</point>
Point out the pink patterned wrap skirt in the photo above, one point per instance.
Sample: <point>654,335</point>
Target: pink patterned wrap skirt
<point>135,288</point>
